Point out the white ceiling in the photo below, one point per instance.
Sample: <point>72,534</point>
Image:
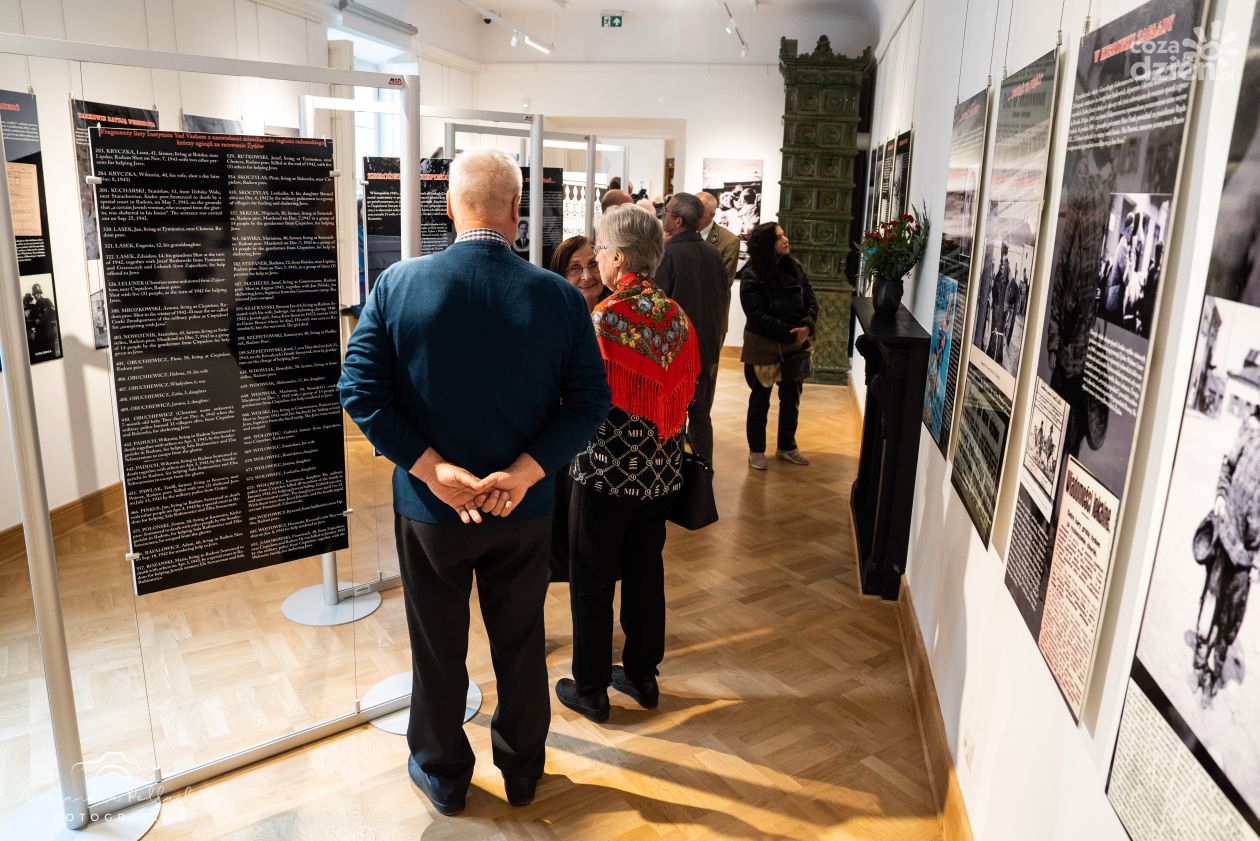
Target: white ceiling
<point>675,31</point>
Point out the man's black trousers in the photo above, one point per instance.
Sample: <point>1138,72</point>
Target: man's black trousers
<point>438,562</point>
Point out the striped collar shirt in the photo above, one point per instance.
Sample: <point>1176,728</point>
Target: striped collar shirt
<point>482,235</point>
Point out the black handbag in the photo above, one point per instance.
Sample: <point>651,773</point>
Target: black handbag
<point>694,506</point>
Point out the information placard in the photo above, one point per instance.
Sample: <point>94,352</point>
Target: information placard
<point>1025,121</point>
<point>1129,113</point>
<point>382,216</point>
<point>220,266</point>
<point>958,234</point>
<point>84,116</point>
<point>24,159</point>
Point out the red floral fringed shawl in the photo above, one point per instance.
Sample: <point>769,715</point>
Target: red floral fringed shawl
<point>651,355</point>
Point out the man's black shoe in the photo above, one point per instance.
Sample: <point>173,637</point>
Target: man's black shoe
<point>593,706</point>
<point>646,692</point>
<point>520,790</point>
<point>428,784</point>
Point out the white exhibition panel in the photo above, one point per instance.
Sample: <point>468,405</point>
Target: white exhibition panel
<point>1025,768</point>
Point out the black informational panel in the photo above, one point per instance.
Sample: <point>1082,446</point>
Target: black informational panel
<point>220,267</point>
<point>25,163</point>
<point>382,216</point>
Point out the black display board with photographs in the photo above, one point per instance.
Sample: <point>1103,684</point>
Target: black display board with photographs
<point>901,174</point>
<point>1187,760</point>
<point>220,264</point>
<point>382,218</point>
<point>1025,122</point>
<point>552,214</point>
<point>887,167</point>
<point>437,231</point>
<point>958,233</point>
<point>24,161</point>
<point>83,116</point>
<point>1129,112</point>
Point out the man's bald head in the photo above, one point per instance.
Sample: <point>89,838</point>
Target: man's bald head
<point>613,198</point>
<point>484,191</point>
<point>710,209</point>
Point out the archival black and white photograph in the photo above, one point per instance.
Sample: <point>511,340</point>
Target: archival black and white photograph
<point>1197,640</point>
<point>1043,450</point>
<point>1132,260</point>
<point>39,308</point>
<point>210,125</point>
<point>1195,671</point>
<point>1006,272</point>
<point>736,184</point>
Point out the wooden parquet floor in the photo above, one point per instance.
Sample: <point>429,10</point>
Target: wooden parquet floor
<point>785,713</point>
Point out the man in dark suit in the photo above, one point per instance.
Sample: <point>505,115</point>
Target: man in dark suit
<point>478,375</point>
<point>692,274</point>
<point>725,242</point>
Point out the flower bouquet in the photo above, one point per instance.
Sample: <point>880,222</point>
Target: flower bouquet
<point>889,252</point>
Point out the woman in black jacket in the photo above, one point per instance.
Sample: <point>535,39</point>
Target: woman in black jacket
<point>782,311</point>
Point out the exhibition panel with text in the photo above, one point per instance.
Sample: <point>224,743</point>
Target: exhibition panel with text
<point>1128,123</point>
<point>958,234</point>
<point>1025,121</point>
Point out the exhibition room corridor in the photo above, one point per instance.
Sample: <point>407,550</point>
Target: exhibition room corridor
<point>786,711</point>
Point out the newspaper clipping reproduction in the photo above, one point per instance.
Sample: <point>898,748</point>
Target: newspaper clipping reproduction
<point>1124,146</point>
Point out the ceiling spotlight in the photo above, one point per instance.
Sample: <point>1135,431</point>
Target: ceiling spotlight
<point>516,38</point>
<point>743,51</point>
<point>730,26</point>
<point>542,48</point>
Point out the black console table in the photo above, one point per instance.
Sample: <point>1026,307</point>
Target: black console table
<point>896,352</point>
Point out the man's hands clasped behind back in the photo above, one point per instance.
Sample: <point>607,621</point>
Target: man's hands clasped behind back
<point>498,494</point>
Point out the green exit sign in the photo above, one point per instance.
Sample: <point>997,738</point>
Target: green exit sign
<point>610,20</point>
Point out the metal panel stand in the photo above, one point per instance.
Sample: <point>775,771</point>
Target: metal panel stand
<point>321,604</point>
<point>64,811</point>
<point>399,686</point>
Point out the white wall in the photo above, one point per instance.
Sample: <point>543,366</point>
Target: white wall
<point>730,111</point>
<point>73,398</point>
<point>1026,770</point>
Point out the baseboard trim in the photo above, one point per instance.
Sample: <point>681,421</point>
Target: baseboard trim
<point>731,352</point>
<point>955,823</point>
<point>857,402</point>
<point>65,518</point>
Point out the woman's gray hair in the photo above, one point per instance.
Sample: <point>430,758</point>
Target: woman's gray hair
<point>637,235</point>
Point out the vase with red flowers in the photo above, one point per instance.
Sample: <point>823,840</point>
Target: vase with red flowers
<point>889,251</point>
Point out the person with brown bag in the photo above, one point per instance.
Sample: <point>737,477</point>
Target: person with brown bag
<point>781,313</point>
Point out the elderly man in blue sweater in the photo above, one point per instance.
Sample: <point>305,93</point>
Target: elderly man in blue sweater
<point>478,375</point>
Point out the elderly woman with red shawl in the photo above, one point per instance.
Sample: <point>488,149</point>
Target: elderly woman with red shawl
<point>625,480</point>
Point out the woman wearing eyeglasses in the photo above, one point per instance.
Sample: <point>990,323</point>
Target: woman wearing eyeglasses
<point>574,260</point>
